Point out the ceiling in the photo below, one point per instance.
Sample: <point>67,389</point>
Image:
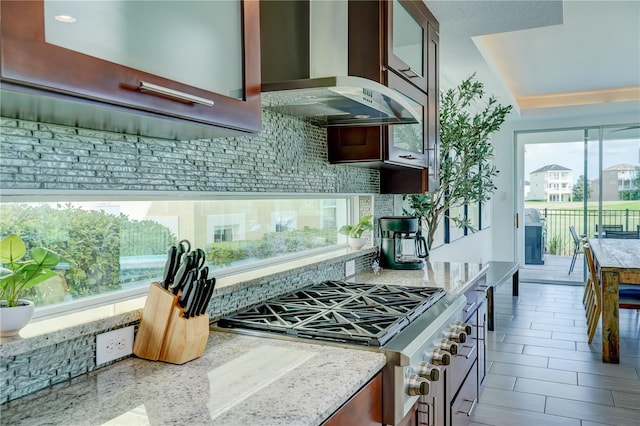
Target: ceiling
<point>546,58</point>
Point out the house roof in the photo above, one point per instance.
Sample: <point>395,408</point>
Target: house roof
<point>621,167</point>
<point>550,167</point>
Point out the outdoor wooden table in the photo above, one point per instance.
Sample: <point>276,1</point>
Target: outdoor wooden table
<point>616,261</point>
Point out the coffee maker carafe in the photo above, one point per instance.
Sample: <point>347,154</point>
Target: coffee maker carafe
<point>403,246</point>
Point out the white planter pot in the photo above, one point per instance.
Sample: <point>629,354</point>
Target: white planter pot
<point>356,243</point>
<point>13,319</point>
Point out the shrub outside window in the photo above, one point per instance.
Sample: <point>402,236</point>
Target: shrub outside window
<point>109,246</point>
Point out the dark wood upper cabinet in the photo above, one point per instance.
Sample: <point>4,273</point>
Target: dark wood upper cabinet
<point>177,69</point>
<point>407,40</point>
<point>395,43</point>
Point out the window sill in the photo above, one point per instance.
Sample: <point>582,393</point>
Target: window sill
<point>50,331</point>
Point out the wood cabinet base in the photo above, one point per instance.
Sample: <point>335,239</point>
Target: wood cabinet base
<point>404,181</point>
<point>364,408</point>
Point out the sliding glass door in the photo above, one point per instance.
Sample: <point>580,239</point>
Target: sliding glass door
<point>575,182</point>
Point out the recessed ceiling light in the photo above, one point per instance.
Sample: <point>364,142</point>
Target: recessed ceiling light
<point>65,18</point>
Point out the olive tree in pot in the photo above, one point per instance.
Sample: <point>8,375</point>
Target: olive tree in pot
<point>354,232</point>
<point>466,156</point>
<point>16,277</point>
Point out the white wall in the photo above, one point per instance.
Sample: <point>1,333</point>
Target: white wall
<point>511,187</point>
<point>474,248</point>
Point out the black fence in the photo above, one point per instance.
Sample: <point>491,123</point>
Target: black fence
<point>557,221</point>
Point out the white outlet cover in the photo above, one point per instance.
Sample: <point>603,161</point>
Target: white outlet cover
<point>114,344</point>
<point>350,268</point>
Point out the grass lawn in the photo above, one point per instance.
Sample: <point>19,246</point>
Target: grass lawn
<point>559,216</point>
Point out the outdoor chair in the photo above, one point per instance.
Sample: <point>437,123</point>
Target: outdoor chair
<point>577,247</point>
<point>623,235</point>
<point>629,295</point>
<point>607,228</point>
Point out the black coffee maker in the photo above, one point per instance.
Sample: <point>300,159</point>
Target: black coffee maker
<point>403,246</point>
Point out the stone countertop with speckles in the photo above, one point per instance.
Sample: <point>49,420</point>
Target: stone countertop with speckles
<point>240,380</point>
<point>453,277</point>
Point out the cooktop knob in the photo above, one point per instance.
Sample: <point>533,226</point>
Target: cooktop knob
<point>417,386</point>
<point>463,326</point>
<point>449,346</point>
<point>440,357</point>
<point>429,371</point>
<point>456,335</point>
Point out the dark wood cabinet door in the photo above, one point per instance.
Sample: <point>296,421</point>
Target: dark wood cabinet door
<point>406,143</point>
<point>432,139</point>
<point>30,61</point>
<point>407,41</point>
<point>465,401</point>
<point>364,408</point>
<point>482,344</point>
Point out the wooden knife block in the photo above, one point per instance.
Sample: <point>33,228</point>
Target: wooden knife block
<point>165,334</point>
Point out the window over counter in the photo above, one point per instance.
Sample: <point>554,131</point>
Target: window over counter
<point>113,248</point>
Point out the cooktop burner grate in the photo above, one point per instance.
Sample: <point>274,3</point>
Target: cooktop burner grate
<point>364,314</point>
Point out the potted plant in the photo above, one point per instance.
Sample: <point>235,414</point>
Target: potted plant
<point>354,232</point>
<point>466,156</point>
<point>16,277</point>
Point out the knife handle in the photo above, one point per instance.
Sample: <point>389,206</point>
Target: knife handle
<point>211,283</point>
<point>169,267</point>
<point>186,291</point>
<point>192,298</point>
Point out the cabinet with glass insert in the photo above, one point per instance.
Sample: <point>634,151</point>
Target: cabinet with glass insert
<point>403,36</point>
<point>176,69</point>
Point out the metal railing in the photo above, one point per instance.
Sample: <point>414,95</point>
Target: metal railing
<point>557,222</point>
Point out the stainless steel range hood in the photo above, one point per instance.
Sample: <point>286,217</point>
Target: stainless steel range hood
<point>304,48</point>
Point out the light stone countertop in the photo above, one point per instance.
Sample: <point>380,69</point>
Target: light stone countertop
<point>240,380</point>
<point>453,277</point>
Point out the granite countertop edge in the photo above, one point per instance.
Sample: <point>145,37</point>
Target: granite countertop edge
<point>217,388</point>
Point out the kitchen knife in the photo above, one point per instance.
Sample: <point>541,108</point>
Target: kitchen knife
<point>197,299</point>
<point>206,297</point>
<point>181,275</point>
<point>196,288</point>
<point>203,273</point>
<point>169,267</point>
<point>186,292</point>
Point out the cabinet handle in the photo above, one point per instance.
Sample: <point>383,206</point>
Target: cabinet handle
<point>165,91</point>
<point>408,157</point>
<point>409,72</point>
<point>470,352</point>
<point>469,307</point>
<point>434,418</point>
<point>473,405</point>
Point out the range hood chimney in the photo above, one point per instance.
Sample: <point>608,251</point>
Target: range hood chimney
<point>304,49</point>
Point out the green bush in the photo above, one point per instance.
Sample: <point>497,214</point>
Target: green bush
<point>555,245</point>
<point>89,242</point>
<point>270,245</point>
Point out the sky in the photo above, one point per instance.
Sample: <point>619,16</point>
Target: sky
<point>570,155</point>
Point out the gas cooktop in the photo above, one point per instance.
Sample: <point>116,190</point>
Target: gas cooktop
<point>354,313</point>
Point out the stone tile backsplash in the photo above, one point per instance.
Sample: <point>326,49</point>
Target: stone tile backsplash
<point>288,156</point>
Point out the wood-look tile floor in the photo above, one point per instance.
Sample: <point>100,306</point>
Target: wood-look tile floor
<point>542,371</point>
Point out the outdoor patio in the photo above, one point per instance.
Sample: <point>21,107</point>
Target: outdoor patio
<point>555,269</point>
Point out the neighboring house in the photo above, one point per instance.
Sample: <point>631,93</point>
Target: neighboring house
<point>527,189</point>
<point>551,183</point>
<point>621,177</point>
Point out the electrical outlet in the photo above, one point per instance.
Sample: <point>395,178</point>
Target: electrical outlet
<point>350,268</point>
<point>114,344</point>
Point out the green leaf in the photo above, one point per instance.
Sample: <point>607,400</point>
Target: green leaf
<point>12,249</point>
<point>45,257</point>
<point>37,279</point>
